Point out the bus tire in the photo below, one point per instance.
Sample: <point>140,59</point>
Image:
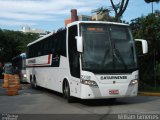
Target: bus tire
<point>35,86</point>
<point>66,92</point>
<point>31,82</point>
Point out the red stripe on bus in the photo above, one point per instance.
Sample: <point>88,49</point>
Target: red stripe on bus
<point>49,58</point>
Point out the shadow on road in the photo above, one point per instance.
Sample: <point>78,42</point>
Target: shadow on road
<point>102,102</point>
<point>26,89</point>
<point>118,101</point>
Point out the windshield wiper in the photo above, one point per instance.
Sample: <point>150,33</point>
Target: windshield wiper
<point>118,56</point>
<point>106,52</point>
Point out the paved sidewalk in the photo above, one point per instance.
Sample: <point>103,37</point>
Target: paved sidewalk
<point>2,90</point>
<point>149,93</point>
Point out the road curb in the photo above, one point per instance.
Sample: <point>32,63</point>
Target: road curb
<point>149,93</point>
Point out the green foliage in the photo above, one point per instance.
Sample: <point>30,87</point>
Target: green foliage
<point>13,43</point>
<point>102,10</point>
<point>158,69</point>
<point>148,27</point>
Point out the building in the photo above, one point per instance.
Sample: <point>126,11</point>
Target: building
<point>100,16</point>
<point>27,29</point>
<point>80,18</point>
<point>84,18</point>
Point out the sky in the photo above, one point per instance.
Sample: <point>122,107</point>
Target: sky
<point>49,15</point>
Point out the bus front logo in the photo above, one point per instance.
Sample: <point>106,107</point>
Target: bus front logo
<point>112,77</point>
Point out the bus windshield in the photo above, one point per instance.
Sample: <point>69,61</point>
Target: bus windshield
<point>19,62</point>
<point>108,48</point>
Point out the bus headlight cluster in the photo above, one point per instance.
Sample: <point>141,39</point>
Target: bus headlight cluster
<point>24,75</point>
<point>89,82</point>
<point>133,82</point>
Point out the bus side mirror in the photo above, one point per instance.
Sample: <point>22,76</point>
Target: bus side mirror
<point>79,44</point>
<point>143,45</point>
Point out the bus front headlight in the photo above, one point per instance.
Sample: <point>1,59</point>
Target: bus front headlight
<point>89,82</point>
<point>133,82</point>
<point>24,75</point>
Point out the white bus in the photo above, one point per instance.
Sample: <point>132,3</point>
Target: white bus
<point>87,60</point>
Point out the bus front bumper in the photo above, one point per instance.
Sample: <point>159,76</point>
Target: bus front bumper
<point>108,91</point>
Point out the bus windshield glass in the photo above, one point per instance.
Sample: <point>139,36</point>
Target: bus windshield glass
<point>107,48</point>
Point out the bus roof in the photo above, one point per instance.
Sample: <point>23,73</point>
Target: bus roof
<point>41,38</point>
<point>101,22</point>
<point>22,55</point>
<point>75,23</point>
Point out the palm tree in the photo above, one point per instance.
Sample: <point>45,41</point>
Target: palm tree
<point>104,12</point>
<point>117,8</point>
<point>148,1</point>
<point>151,1</point>
<point>101,10</point>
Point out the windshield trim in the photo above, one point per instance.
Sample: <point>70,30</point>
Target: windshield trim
<point>110,71</point>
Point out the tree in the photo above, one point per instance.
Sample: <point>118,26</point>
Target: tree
<point>148,27</point>
<point>157,13</point>
<point>119,8</point>
<point>13,43</point>
<point>101,10</point>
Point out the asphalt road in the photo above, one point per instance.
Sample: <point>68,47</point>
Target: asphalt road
<point>44,101</point>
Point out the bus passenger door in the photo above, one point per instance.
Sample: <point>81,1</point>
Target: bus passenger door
<point>74,63</point>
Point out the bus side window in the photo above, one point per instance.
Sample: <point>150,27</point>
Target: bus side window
<point>30,52</point>
<point>50,44</point>
<point>38,49</point>
<point>63,43</point>
<point>54,44</point>
<point>46,46</point>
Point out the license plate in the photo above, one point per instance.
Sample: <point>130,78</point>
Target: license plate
<point>113,92</point>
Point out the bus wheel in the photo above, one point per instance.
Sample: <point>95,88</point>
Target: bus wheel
<point>35,83</point>
<point>66,92</point>
<point>31,82</point>
<point>32,86</point>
